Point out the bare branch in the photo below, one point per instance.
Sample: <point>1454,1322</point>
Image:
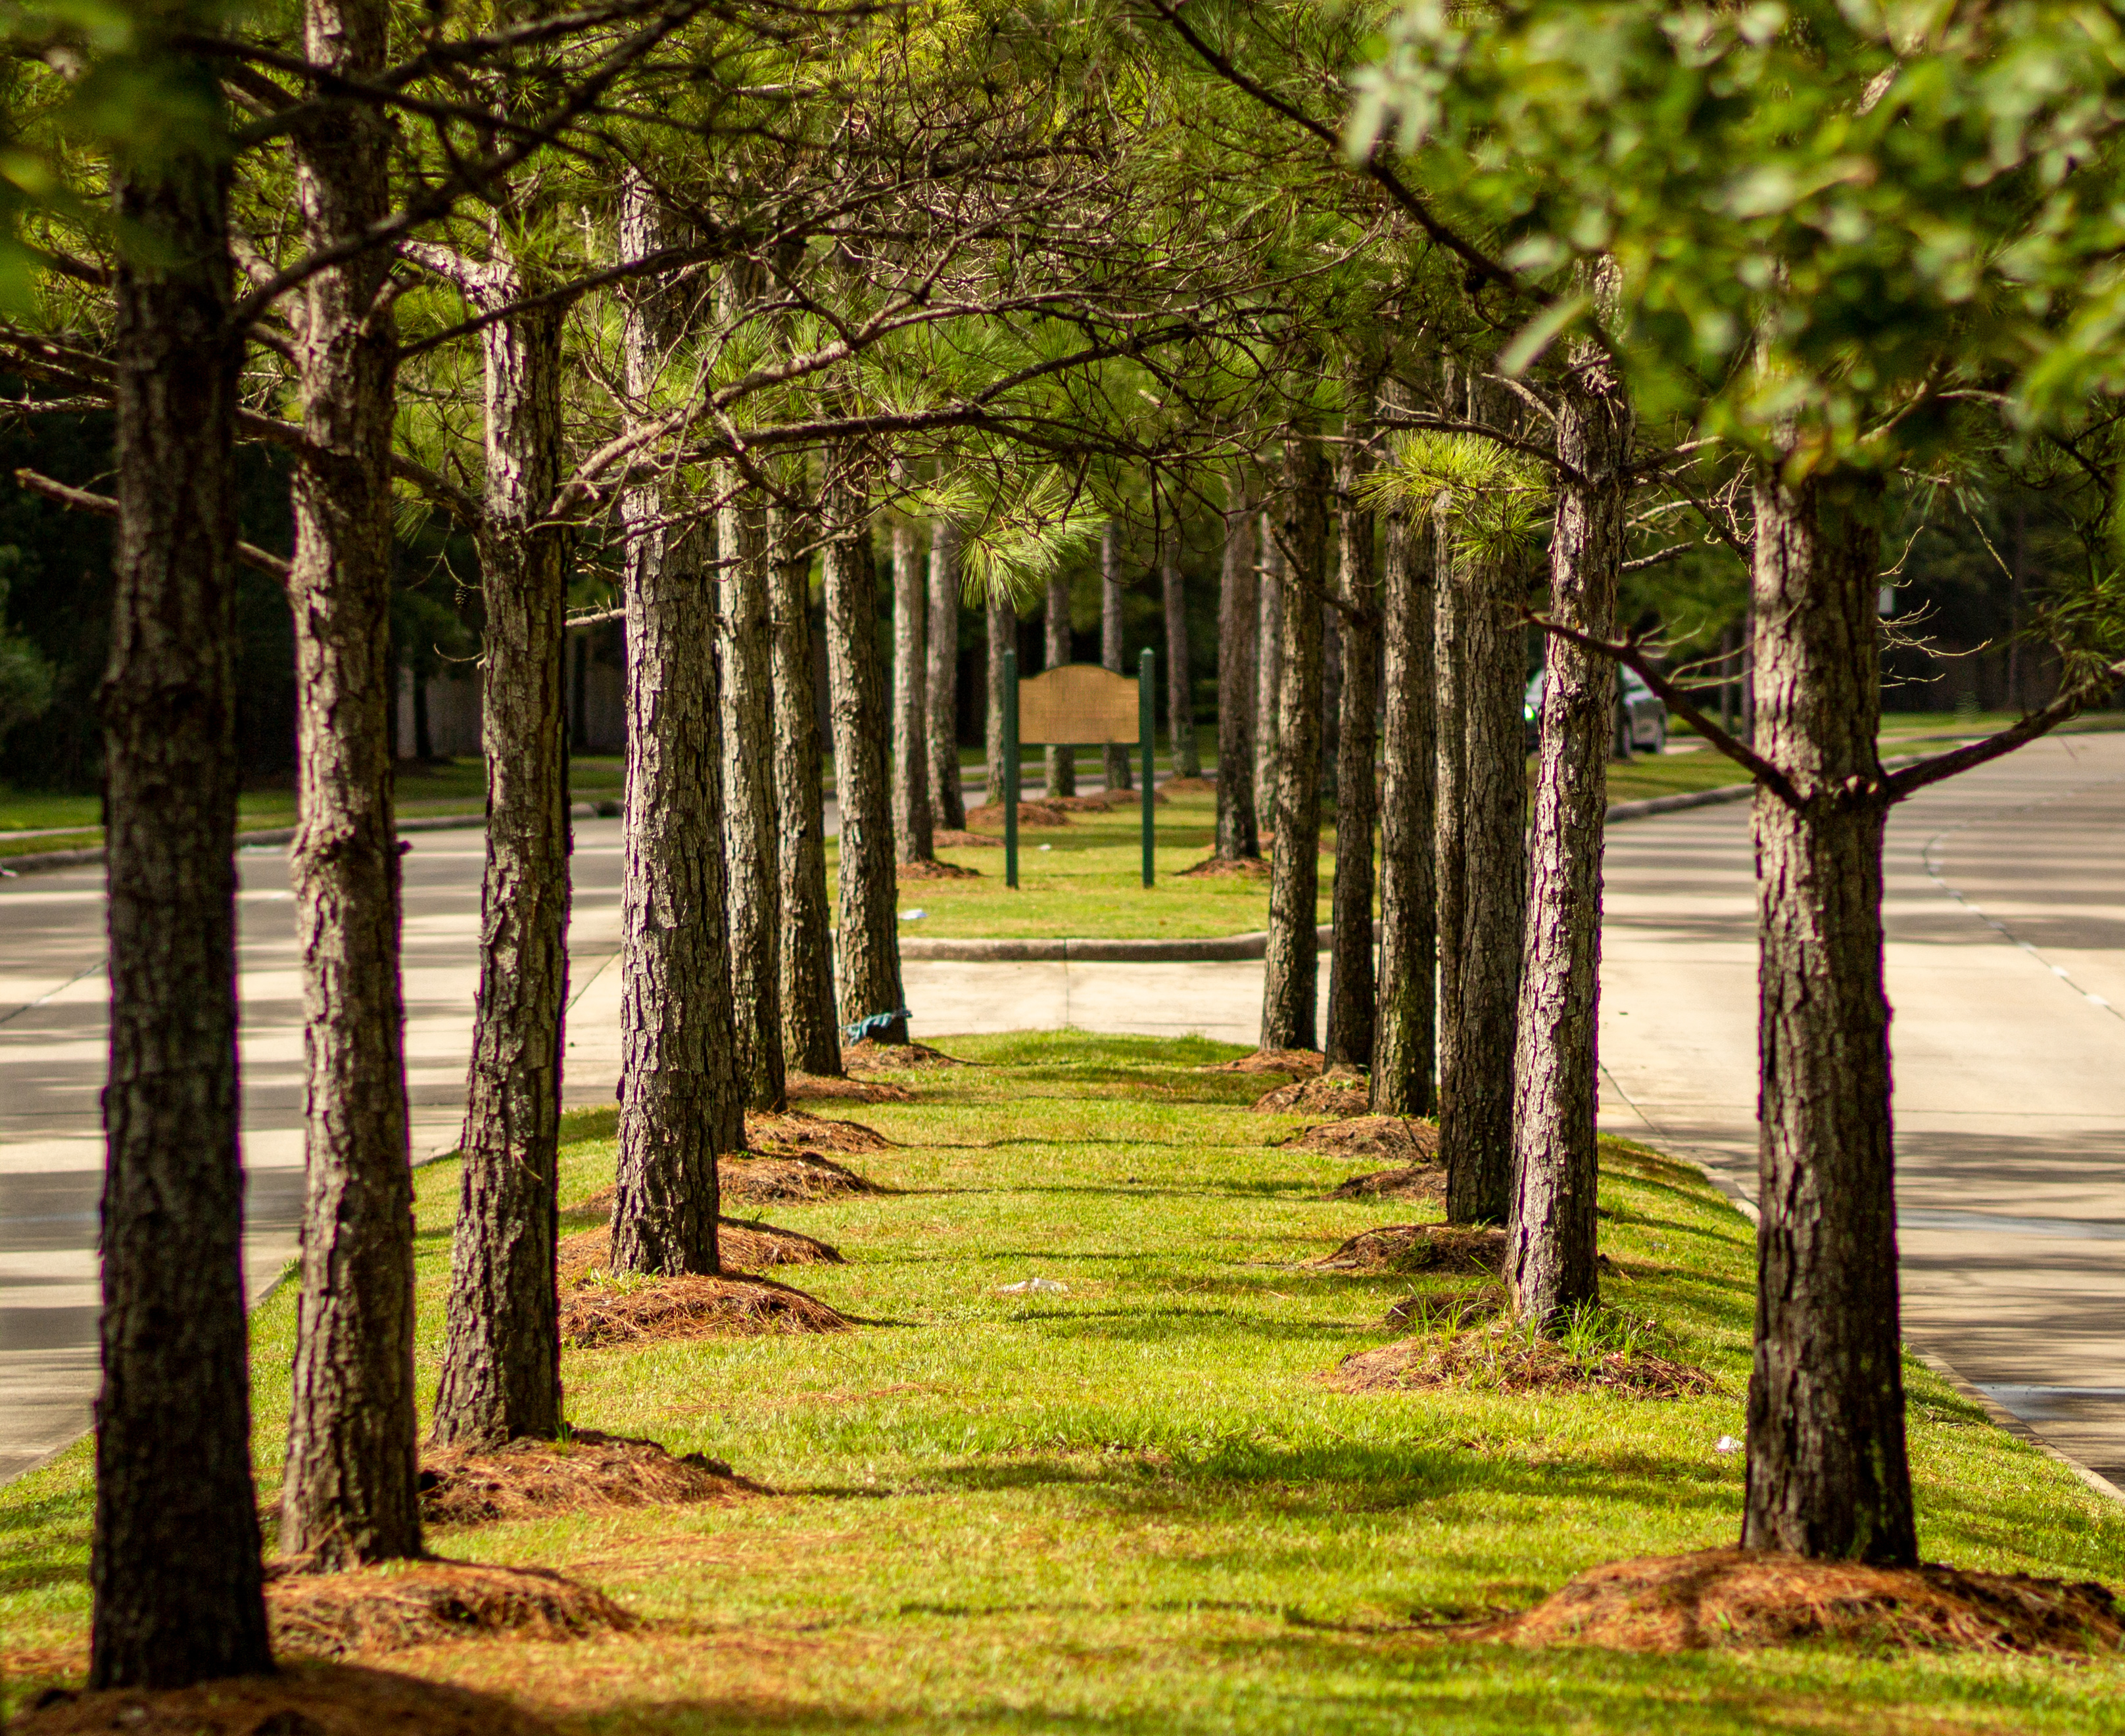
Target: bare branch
<point>2071,699</point>
<point>103,507</point>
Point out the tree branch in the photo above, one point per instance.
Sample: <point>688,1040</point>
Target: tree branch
<point>2071,699</point>
<point>104,507</point>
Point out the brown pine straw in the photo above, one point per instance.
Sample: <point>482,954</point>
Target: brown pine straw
<point>1394,1248</point>
<point>813,1087</point>
<point>1226,868</point>
<point>1402,1136</point>
<point>951,837</point>
<point>584,1472</point>
<point>1415,1181</point>
<point>872,1057</point>
<point>1344,1095</point>
<point>934,871</point>
<point>1737,1598</point>
<point>746,1245</point>
<point>768,1131</point>
<point>1030,814</point>
<point>1505,1361</point>
<point>301,1700</point>
<point>400,1603</point>
<point>1301,1063</point>
<point>633,1311</point>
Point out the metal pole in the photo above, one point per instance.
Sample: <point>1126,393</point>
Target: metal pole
<point>1147,736</point>
<point>1010,768</point>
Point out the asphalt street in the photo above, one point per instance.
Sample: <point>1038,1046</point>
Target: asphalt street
<point>2006,959</point>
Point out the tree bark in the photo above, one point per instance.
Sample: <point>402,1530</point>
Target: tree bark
<point>501,1359</point>
<point>1352,1005</point>
<point>1404,1042</point>
<point>948,805</point>
<point>1291,968</point>
<point>748,677</point>
<point>1062,762</point>
<point>350,1493</point>
<point>1238,833</point>
<point>1827,1471</point>
<point>811,1040</point>
<point>1551,1261</point>
<point>911,822</point>
<point>1331,703</point>
<point>1268,671</point>
<point>1476,1098</point>
<point>678,1099</point>
<point>174,1567</point>
<point>1119,775</point>
<point>1003,636</point>
<point>1449,856</point>
<point>1180,677</point>
<point>869,964</point>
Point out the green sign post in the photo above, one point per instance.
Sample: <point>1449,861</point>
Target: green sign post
<point>1077,705</point>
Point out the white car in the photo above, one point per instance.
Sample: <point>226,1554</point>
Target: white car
<point>1641,715</point>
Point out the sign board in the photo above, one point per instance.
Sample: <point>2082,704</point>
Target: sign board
<point>1078,705</point>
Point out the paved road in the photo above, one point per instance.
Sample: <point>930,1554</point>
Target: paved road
<point>2006,913</point>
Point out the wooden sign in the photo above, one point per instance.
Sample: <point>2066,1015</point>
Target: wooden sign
<point>1077,705</point>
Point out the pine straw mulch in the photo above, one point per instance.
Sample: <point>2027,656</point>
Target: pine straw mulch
<point>400,1603</point>
<point>1343,1095</point>
<point>933,870</point>
<point>1393,1248</point>
<point>1413,1182</point>
<point>1505,1361</point>
<point>1404,1137</point>
<point>745,1244</point>
<point>952,838</point>
<point>787,1177</point>
<point>1226,868</point>
<point>1190,786</point>
<point>870,1055</point>
<point>803,1087</point>
<point>302,1700</point>
<point>603,1312</point>
<point>771,1132</point>
<point>1037,814</point>
<point>1735,1597</point>
<point>588,1472</point>
<point>1301,1063</point>
<point>1454,1308</point>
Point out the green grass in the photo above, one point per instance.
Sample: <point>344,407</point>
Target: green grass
<point>1131,1510</point>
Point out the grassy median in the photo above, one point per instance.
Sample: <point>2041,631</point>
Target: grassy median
<point>1132,1506</point>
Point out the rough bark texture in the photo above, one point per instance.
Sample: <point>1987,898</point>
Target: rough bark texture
<point>1268,671</point>
<point>1449,665</point>
<point>1060,762</point>
<point>1551,1260</point>
<point>350,1492</point>
<point>948,803</point>
<point>1331,702</point>
<point>911,822</point>
<point>1291,970</point>
<point>1119,774</point>
<point>868,966</point>
<point>1238,608</point>
<point>679,1103</point>
<point>1827,1471</point>
<point>1180,675</point>
<point>1351,987</point>
<point>747,711</point>
<point>1001,623</point>
<point>174,1567</point>
<point>1404,1041</point>
<point>1476,1096</point>
<point>811,1039</point>
<point>502,1355</point>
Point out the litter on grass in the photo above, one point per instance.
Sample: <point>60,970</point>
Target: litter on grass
<point>1033,1286</point>
<point>1727,1444</point>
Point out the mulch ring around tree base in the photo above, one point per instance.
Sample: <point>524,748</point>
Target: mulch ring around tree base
<point>789,1177</point>
<point>1504,1361</point>
<point>402,1603</point>
<point>1343,1095</point>
<point>951,837</point>
<point>1226,868</point>
<point>745,1244</point>
<point>587,1472</point>
<point>769,1132</point>
<point>810,1086</point>
<point>1449,1308</point>
<point>1393,1248</point>
<point>935,871</point>
<point>1404,1137</point>
<point>1190,786</point>
<point>622,1308</point>
<point>1038,815</point>
<point>1729,1597</point>
<point>1299,1063</point>
<point>301,1700</point>
<point>1414,1182</point>
<point>870,1055</point>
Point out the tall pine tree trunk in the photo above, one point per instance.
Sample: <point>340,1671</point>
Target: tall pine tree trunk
<point>174,1567</point>
<point>747,710</point>
<point>1475,1100</point>
<point>912,821</point>
<point>1331,703</point>
<point>501,1353</point>
<point>869,962</point>
<point>811,1040</point>
<point>679,1103</point>
<point>1291,969</point>
<point>1110,636</point>
<point>1404,1042</point>
<point>1550,1262</point>
<point>1238,833</point>
<point>1001,623</point>
<point>1062,762</point>
<point>1450,789</point>
<point>1351,987</point>
<point>949,806</point>
<point>1180,677</point>
<point>350,1493</point>
<point>1268,671</point>
<point>1828,1475</point>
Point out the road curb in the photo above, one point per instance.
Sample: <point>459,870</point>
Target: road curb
<point>1065,949</point>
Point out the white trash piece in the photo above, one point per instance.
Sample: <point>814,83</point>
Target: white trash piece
<point>1726,1443</point>
<point>913,915</point>
<point>1033,1286</point>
